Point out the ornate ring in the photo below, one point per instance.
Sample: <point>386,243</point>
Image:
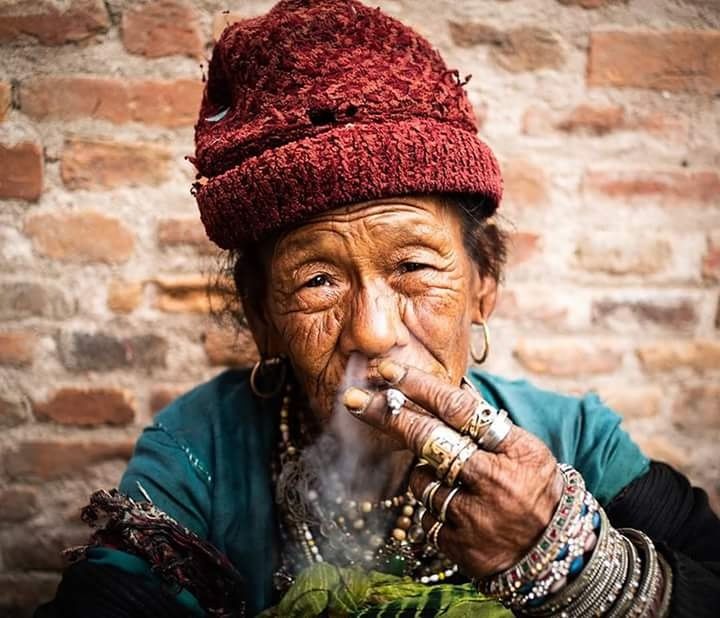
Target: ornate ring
<point>446,503</point>
<point>496,433</point>
<point>395,400</point>
<point>434,533</point>
<point>457,465</point>
<point>482,417</point>
<point>441,448</point>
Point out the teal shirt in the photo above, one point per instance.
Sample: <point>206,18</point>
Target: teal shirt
<point>206,460</point>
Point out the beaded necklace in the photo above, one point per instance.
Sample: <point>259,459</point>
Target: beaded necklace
<point>349,532</point>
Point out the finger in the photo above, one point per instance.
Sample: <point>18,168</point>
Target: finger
<point>454,405</point>
<point>446,498</point>
<point>410,427</point>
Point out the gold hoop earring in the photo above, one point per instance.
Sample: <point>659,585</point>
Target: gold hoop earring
<point>260,371</point>
<point>481,358</point>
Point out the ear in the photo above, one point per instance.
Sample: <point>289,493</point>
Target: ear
<point>262,330</point>
<point>484,296</point>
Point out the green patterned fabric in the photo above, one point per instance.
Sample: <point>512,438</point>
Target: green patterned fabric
<point>327,590</point>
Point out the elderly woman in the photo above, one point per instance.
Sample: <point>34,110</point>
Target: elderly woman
<point>338,162</point>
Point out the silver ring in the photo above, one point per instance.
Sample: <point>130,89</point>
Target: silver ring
<point>496,433</point>
<point>428,494</point>
<point>446,503</point>
<point>434,533</point>
<point>395,400</point>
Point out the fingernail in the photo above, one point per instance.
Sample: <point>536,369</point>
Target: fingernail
<point>356,400</point>
<point>390,370</point>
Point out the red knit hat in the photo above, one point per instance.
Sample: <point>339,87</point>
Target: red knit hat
<point>322,103</point>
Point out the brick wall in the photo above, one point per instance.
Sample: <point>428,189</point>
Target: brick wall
<point>605,115</point>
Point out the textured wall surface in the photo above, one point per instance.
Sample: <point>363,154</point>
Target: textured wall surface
<point>605,115</point>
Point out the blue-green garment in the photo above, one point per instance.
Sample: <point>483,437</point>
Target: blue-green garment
<point>206,461</point>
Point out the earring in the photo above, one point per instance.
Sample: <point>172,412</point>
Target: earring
<point>260,371</point>
<point>481,358</point>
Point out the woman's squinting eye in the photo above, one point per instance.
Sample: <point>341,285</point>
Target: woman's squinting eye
<point>411,267</point>
<point>317,281</point>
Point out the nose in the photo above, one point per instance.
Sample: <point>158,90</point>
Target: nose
<point>374,323</point>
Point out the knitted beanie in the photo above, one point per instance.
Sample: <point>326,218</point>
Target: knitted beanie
<point>322,103</point>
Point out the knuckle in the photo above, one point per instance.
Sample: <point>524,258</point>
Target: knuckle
<point>456,403</point>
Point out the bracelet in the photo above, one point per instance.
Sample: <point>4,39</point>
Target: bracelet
<point>570,507</point>
<point>582,566</point>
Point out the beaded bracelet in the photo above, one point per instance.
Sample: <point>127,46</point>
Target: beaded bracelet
<point>570,508</point>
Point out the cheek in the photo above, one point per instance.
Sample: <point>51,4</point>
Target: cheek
<point>441,323</point>
<point>311,341</point>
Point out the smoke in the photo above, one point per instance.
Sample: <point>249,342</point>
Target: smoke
<point>339,465</point>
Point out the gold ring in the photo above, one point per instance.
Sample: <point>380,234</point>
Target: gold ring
<point>457,465</point>
<point>441,448</point>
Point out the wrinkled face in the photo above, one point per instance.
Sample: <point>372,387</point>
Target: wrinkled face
<point>387,278</point>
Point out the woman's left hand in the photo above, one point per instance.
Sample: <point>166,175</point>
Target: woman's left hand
<point>507,497</point>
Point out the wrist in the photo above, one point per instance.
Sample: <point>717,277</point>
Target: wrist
<point>583,566</point>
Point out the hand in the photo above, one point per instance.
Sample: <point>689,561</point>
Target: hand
<point>507,498</point>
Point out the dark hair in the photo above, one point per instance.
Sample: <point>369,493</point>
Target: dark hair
<point>485,241</point>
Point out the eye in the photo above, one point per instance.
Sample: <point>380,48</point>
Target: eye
<point>411,267</point>
<point>317,281</point>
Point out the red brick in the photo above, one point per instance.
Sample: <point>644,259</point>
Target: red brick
<point>224,19</point>
<point>522,49</point>
<point>633,401</point>
<point>711,259</point>
<point>525,183</point>
<point>98,351</point>
<point>566,359</point>
<point>522,247</point>
<point>530,306</point>
<point>17,347</point>
<point>660,124</point>
<point>85,236</point>
<point>700,354</point>
<point>162,28</point>
<point>162,396</point>
<point>51,25</point>
<point>49,459</point>
<point>22,299</point>
<point>18,503</point>
<point>87,407</point>
<point>674,60</point>
<point>697,408</point>
<point>103,164</point>
<point>124,296</point>
<point>598,120</point>
<point>615,256</point>
<point>663,186</point>
<point>190,294</point>
<point>674,314</point>
<point>593,119</point>
<point>230,347</point>
<point>5,99</point>
<point>169,103</point>
<point>190,232</point>
<point>21,173</point>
